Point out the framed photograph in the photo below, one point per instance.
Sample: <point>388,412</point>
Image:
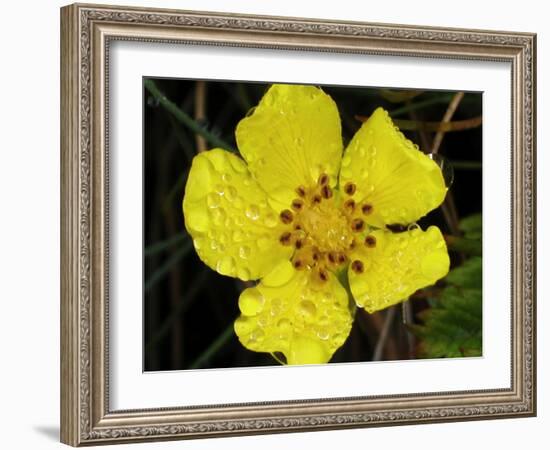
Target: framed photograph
<point>277,225</point>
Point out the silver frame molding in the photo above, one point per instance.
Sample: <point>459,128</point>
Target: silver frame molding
<point>86,31</point>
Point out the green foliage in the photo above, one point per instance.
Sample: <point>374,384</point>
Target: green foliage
<point>452,326</point>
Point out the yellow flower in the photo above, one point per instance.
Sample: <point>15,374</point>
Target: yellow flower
<point>299,213</point>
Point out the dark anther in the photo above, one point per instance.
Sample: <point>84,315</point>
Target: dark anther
<point>301,191</point>
<point>298,227</point>
<point>323,274</point>
<point>286,216</point>
<point>357,266</point>
<point>299,243</point>
<point>367,209</point>
<point>350,188</point>
<point>349,205</point>
<point>298,264</point>
<point>317,199</point>
<point>297,204</point>
<point>342,258</point>
<point>326,191</point>
<point>285,238</point>
<point>332,257</point>
<point>358,225</point>
<point>323,179</point>
<point>370,241</point>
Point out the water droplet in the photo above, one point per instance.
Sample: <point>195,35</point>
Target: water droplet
<point>214,245</point>
<point>230,193</point>
<point>213,200</point>
<point>244,252</point>
<point>251,302</point>
<point>256,335</point>
<point>198,242</point>
<point>271,220</point>
<point>323,333</point>
<point>284,324</point>
<point>218,215</point>
<point>219,189</point>
<point>308,308</point>
<point>226,266</point>
<point>252,212</point>
<point>243,273</point>
<point>346,160</point>
<point>446,168</point>
<point>276,307</point>
<point>226,177</point>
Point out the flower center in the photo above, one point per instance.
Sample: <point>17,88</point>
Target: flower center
<point>324,227</point>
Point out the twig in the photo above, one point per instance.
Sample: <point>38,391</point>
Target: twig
<point>447,118</point>
<point>200,112</point>
<point>214,347</point>
<point>184,118</point>
<point>378,350</point>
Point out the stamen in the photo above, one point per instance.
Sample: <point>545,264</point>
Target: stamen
<point>299,243</point>
<point>358,225</point>
<point>350,188</point>
<point>298,227</point>
<point>357,266</point>
<point>323,275</point>
<point>326,191</point>
<point>332,257</point>
<point>285,238</point>
<point>370,241</point>
<point>323,179</point>
<point>286,216</point>
<point>349,205</point>
<point>298,264</point>
<point>316,255</point>
<point>301,191</point>
<point>367,209</point>
<point>297,204</point>
<point>316,199</point>
<point>342,258</point>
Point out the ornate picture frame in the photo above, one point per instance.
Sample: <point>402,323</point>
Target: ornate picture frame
<point>87,31</point>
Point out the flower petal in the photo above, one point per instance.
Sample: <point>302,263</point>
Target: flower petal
<point>234,229</point>
<point>395,265</point>
<point>399,183</point>
<point>292,136</point>
<point>291,312</point>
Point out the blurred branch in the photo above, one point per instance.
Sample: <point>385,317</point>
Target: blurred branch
<point>220,341</point>
<point>183,117</point>
<point>447,118</point>
<point>419,105</point>
<point>200,111</point>
<point>163,245</point>
<point>445,127</point>
<point>180,308</point>
<point>161,272</point>
<point>466,165</point>
<point>379,349</point>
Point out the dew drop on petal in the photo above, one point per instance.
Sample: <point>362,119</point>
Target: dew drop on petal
<point>251,302</point>
<point>243,273</point>
<point>308,308</point>
<point>252,212</point>
<point>213,200</point>
<point>244,252</point>
<point>323,334</point>
<point>226,266</point>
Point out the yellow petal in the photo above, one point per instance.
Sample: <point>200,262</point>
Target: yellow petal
<point>234,229</point>
<point>396,266</point>
<point>292,136</point>
<point>293,313</point>
<point>397,180</point>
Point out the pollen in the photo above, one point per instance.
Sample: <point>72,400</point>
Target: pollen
<point>350,188</point>
<point>357,266</point>
<point>286,216</point>
<point>322,227</point>
<point>370,241</point>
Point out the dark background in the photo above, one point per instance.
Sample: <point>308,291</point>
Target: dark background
<point>189,309</point>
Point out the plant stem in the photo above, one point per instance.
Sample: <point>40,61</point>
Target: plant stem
<point>167,266</point>
<point>379,349</point>
<point>213,348</point>
<point>183,117</point>
<point>163,245</point>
